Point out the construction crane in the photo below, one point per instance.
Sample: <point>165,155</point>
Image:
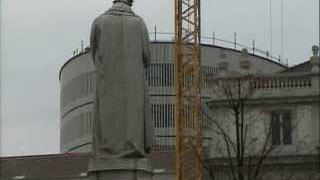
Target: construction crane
<point>189,153</point>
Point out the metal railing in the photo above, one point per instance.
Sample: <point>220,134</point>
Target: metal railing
<point>207,40</point>
<point>219,42</point>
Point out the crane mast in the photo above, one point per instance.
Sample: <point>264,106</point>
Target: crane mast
<point>189,165</point>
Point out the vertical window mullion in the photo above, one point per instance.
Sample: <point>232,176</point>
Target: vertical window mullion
<point>161,74</point>
<point>206,78</point>
<point>162,116</point>
<point>286,128</point>
<point>167,116</point>
<point>155,74</point>
<point>167,75</point>
<point>160,119</point>
<point>153,115</point>
<point>156,115</point>
<point>171,116</point>
<point>159,115</point>
<point>174,114</point>
<point>151,75</point>
<point>275,128</point>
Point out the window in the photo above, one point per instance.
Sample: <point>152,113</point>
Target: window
<point>281,127</point>
<point>163,115</point>
<point>159,75</point>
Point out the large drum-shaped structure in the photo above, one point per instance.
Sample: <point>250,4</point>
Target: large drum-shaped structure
<point>77,79</point>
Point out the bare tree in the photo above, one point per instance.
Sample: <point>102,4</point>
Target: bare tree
<point>243,140</point>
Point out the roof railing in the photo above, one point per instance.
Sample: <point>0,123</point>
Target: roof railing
<point>209,40</point>
<point>213,40</point>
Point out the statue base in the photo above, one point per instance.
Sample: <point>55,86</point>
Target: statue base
<point>119,169</point>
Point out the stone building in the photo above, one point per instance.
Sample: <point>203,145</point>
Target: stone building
<point>287,94</point>
<point>280,118</point>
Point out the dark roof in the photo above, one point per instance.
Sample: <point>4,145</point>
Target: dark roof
<point>58,166</point>
<point>70,166</point>
<point>44,166</point>
<point>302,67</point>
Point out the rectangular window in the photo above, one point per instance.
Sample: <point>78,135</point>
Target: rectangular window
<point>281,127</point>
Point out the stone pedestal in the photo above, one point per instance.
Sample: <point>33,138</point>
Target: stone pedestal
<point>119,169</point>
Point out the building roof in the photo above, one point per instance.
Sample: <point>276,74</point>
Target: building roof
<point>87,50</point>
<point>302,67</point>
<point>44,166</point>
<point>64,166</point>
<point>70,166</point>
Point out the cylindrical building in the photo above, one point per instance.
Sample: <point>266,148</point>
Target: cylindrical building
<point>77,79</point>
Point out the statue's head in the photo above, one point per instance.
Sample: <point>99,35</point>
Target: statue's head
<point>129,2</point>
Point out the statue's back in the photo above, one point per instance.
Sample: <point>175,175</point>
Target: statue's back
<point>120,50</point>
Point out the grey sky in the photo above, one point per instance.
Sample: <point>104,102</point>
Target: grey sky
<point>40,35</point>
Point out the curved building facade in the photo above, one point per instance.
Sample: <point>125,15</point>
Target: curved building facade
<point>77,80</point>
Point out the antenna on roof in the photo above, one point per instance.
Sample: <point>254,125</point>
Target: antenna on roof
<point>270,25</point>
<point>82,45</point>
<point>282,29</point>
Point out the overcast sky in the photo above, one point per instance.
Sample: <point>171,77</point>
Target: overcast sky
<point>38,36</point>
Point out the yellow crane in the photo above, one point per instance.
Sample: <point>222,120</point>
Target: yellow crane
<point>189,152</point>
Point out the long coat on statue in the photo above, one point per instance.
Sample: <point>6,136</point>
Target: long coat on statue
<point>120,50</point>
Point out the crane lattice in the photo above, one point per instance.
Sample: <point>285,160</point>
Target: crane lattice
<point>189,165</point>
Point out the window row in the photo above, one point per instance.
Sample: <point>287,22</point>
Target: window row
<point>164,144</point>
<point>163,116</point>
<point>77,127</point>
<point>78,87</point>
<point>162,74</point>
<point>208,73</point>
<point>157,75</point>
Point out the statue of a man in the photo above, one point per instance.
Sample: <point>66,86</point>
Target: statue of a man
<point>120,51</point>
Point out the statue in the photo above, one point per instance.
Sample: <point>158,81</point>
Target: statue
<point>120,51</point>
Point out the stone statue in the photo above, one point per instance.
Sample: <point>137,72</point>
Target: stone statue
<point>120,51</point>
